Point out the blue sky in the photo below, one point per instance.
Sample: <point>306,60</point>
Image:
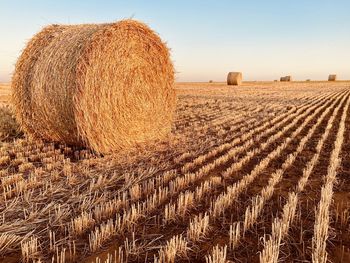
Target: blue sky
<point>263,39</point>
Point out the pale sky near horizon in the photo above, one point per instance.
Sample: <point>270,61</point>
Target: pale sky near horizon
<point>264,39</point>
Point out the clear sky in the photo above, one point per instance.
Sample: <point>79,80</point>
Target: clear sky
<point>264,39</point>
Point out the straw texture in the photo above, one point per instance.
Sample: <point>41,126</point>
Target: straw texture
<point>9,128</point>
<point>105,86</point>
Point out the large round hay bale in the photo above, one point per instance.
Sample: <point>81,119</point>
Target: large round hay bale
<point>234,78</point>
<point>332,77</point>
<point>283,79</point>
<point>105,86</point>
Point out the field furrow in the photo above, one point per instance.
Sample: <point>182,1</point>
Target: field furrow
<point>189,195</point>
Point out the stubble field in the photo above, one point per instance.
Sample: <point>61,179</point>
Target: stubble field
<point>256,173</point>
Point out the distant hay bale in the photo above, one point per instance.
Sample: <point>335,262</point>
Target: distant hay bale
<point>308,80</point>
<point>286,78</point>
<point>9,128</point>
<point>289,78</point>
<point>105,86</point>
<point>332,77</point>
<point>234,78</point>
<point>210,81</point>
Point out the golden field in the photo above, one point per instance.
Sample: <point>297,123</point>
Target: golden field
<point>255,173</point>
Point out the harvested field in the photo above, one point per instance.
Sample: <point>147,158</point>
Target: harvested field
<point>254,173</point>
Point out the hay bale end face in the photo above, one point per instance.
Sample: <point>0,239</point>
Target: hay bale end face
<point>332,77</point>
<point>105,86</point>
<point>234,78</point>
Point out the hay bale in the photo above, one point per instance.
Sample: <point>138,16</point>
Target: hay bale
<point>332,77</point>
<point>286,78</point>
<point>234,78</point>
<point>105,86</point>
